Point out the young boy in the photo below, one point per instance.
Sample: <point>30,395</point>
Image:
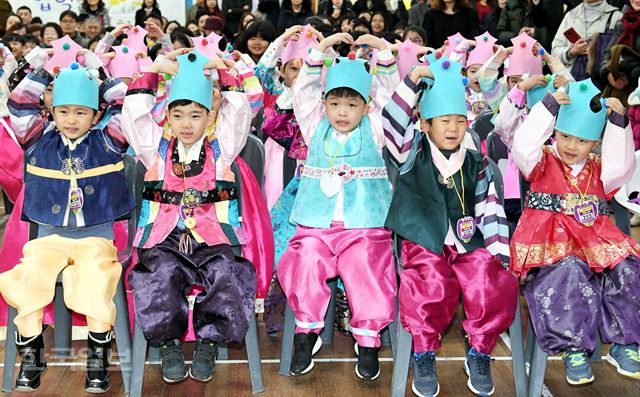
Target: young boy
<point>189,218</point>
<point>446,210</point>
<point>341,203</point>
<point>75,190</point>
<point>582,273</point>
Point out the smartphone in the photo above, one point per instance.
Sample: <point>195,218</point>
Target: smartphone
<point>572,35</point>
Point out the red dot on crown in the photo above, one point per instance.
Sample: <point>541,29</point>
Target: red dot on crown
<point>352,56</point>
<point>205,42</point>
<point>438,55</point>
<point>523,44</point>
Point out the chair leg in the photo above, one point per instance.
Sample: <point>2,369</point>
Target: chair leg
<point>9,352</point>
<point>223,352</point>
<point>596,356</point>
<point>253,355</point>
<point>287,342</point>
<point>138,357</point>
<point>517,354</point>
<point>123,335</point>
<point>537,369</point>
<point>393,330</point>
<point>330,316</point>
<point>385,338</point>
<point>154,354</point>
<point>62,330</point>
<point>401,363</point>
<point>528,351</point>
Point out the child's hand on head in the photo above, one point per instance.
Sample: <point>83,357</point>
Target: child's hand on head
<point>291,33</point>
<point>173,55</point>
<point>503,53</point>
<point>334,39</point>
<point>371,41</point>
<point>561,97</point>
<point>315,31</point>
<point>420,72</point>
<point>614,105</point>
<point>560,81</point>
<point>120,29</point>
<point>531,82</point>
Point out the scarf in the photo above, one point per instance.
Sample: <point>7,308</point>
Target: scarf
<point>630,28</point>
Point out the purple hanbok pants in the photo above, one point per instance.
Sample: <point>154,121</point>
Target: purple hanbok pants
<point>569,303</point>
<point>164,276</point>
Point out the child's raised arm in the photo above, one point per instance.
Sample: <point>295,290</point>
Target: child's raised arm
<point>618,156</point>
<point>397,115</point>
<point>27,121</point>
<point>307,90</point>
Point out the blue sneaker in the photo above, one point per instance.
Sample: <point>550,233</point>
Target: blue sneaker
<point>478,369</point>
<point>577,368</point>
<point>425,380</point>
<point>626,359</point>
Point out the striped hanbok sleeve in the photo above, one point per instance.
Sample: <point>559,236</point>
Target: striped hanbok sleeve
<point>398,121</point>
<point>24,106</point>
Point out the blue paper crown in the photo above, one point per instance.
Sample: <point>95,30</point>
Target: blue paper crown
<point>537,93</point>
<point>76,86</point>
<point>349,73</point>
<point>577,118</point>
<point>190,82</point>
<point>446,92</point>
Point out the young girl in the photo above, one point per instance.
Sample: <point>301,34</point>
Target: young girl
<point>255,40</point>
<point>582,273</point>
<point>452,224</point>
<point>341,203</point>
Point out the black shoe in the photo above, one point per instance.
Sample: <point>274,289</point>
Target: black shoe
<point>172,361</point>
<point>97,379</point>
<point>33,365</point>
<point>204,360</point>
<point>368,367</point>
<point>305,346</point>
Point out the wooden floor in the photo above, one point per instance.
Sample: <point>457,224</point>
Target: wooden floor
<point>333,374</point>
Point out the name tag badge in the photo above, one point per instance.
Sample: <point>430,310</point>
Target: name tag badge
<point>76,200</point>
<point>586,213</point>
<point>330,184</point>
<point>465,228</point>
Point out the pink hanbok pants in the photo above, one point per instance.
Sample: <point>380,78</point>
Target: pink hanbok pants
<point>430,288</point>
<point>361,257</point>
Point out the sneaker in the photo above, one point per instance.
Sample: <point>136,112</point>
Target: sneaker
<point>577,368</point>
<point>626,359</point>
<point>305,346</point>
<point>204,360</point>
<point>478,369</point>
<point>97,379</point>
<point>635,220</point>
<point>425,381</point>
<point>368,367</point>
<point>32,365</point>
<point>172,361</point>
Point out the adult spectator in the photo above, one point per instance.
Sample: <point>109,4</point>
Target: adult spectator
<point>620,75</point>
<point>417,11</point>
<point>211,8</point>
<point>588,18</point>
<point>448,17</point>
<point>334,10</point>
<point>233,10</point>
<point>147,8</point>
<point>18,28</point>
<point>201,20</point>
<point>12,19</point>
<point>213,24</point>
<point>171,26</point>
<point>24,13</point>
<point>96,9</point>
<point>271,9</point>
<point>293,12</point>
<point>522,16</point>
<point>49,32</point>
<point>378,23</point>
<point>490,23</point>
<point>91,27</point>
<point>152,23</point>
<point>483,8</point>
<point>245,20</point>
<point>69,25</point>
<point>192,12</point>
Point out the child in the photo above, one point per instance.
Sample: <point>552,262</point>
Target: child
<point>75,190</point>
<point>189,216</point>
<point>582,273</point>
<point>341,204</point>
<point>446,210</point>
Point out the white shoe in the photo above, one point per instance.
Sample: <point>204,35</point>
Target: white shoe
<point>635,220</point>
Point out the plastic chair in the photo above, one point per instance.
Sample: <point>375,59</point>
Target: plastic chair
<point>404,338</point>
<point>62,315</point>
<point>482,125</point>
<point>140,344</point>
<point>253,154</point>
